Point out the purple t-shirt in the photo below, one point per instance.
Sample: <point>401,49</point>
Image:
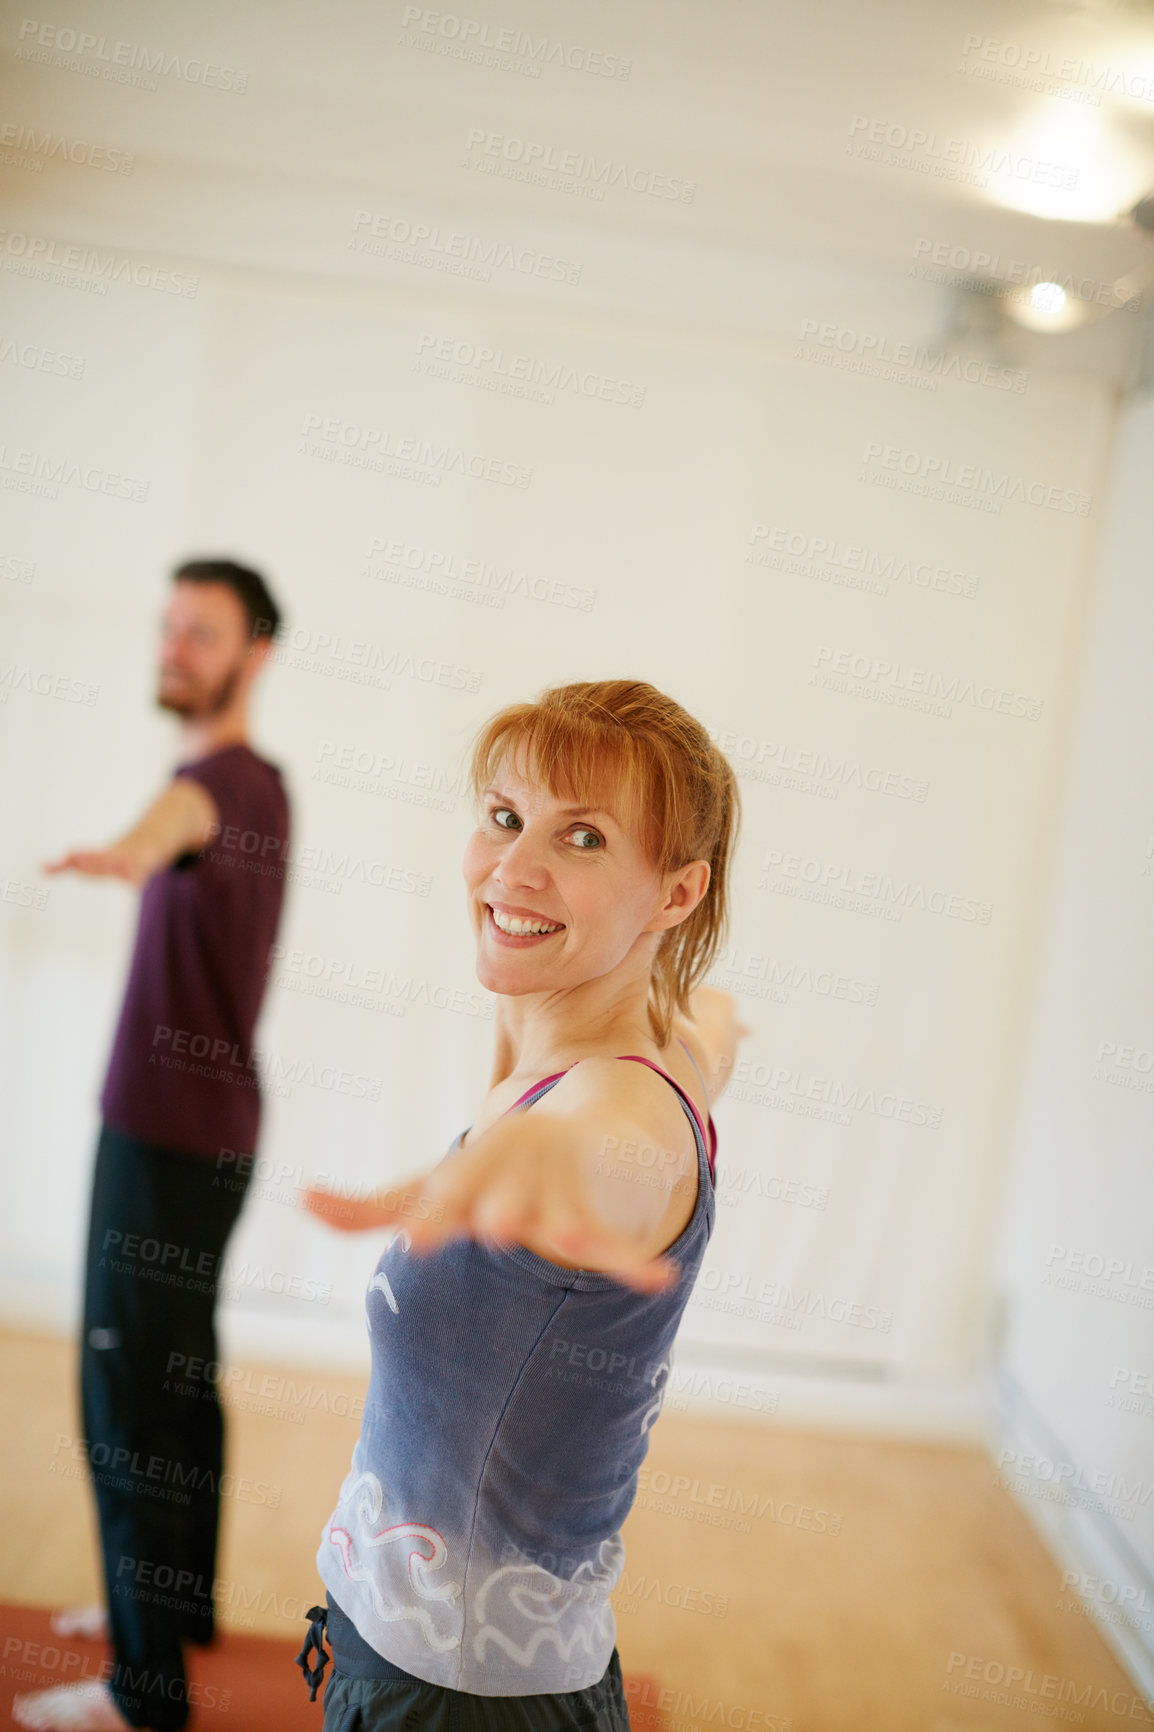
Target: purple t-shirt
<point>183,1073</point>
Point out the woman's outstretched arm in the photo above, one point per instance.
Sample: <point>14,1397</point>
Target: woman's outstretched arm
<point>595,1181</point>
<point>712,1031</point>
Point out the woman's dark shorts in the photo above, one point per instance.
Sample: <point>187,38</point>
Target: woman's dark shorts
<point>398,1701</point>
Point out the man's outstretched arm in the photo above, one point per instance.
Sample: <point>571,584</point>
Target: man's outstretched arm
<point>182,820</point>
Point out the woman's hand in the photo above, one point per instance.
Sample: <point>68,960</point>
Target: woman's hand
<point>719,1026</point>
<point>528,1180</point>
<point>350,1214</point>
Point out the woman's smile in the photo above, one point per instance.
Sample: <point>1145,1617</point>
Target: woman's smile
<point>520,928</point>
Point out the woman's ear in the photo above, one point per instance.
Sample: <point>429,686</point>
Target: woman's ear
<point>686,890</point>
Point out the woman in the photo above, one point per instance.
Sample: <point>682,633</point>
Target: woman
<point>522,1317</point>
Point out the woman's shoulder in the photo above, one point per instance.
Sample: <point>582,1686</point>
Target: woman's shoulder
<point>635,1095</point>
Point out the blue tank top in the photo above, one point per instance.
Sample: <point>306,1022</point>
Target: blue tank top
<point>476,1540</point>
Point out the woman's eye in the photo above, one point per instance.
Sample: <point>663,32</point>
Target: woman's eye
<point>592,833</point>
<point>496,815</point>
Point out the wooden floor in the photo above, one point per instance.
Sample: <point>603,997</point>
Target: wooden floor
<point>852,1577</point>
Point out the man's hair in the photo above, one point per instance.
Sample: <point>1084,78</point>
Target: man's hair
<point>250,588</point>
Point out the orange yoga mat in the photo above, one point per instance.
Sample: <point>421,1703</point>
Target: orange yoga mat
<point>242,1683</point>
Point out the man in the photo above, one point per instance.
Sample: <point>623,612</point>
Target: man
<point>182,1086</point>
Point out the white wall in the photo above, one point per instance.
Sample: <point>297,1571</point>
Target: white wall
<point>1077,1258</point>
<point>655,509</point>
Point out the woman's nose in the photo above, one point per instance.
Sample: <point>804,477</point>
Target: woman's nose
<point>522,858</point>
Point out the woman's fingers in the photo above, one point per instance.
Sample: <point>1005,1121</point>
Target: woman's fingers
<point>568,1225</point>
<point>361,1214</point>
<point>349,1214</point>
<point>527,1195</point>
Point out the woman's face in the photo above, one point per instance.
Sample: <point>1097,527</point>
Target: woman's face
<point>535,860</point>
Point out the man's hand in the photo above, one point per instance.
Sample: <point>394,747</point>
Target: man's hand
<point>122,860</point>
<point>526,1181</point>
<point>182,820</point>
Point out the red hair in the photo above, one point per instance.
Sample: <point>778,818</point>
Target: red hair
<point>626,746</point>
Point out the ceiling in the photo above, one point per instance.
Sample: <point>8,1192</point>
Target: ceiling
<point>385,110</point>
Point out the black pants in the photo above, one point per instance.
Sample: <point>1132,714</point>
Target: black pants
<point>153,1427</point>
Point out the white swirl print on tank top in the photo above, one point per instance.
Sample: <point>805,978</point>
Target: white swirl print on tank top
<point>358,1512</point>
<point>521,1600</point>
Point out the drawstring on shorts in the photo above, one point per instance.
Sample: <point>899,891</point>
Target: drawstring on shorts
<point>314,1674</point>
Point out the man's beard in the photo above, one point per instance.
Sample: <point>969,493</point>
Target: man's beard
<point>199,704</point>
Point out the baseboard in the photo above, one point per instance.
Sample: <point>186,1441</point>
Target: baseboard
<point>1085,1542</point>
<point>780,1388</point>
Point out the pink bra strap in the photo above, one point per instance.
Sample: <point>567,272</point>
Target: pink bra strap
<point>709,1140</point>
<point>557,1074</point>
